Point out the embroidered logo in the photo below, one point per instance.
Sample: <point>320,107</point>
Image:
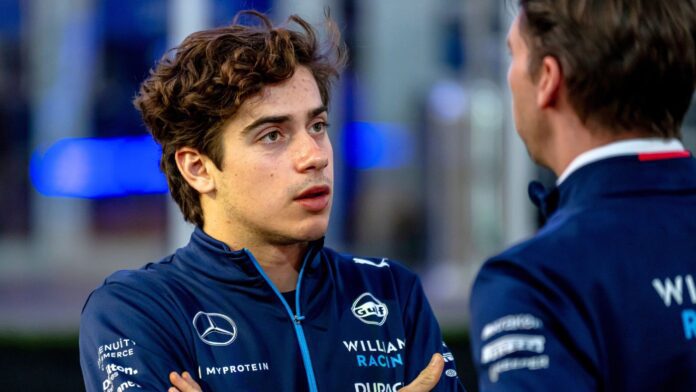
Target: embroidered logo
<point>381,264</point>
<point>215,329</point>
<point>370,310</point>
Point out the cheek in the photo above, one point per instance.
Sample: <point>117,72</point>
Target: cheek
<point>519,88</point>
<point>329,151</point>
<point>513,77</point>
<point>250,177</point>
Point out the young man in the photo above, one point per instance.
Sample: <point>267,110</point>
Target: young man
<point>603,298</point>
<point>255,302</point>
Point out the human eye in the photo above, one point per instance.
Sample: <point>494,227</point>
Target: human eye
<point>319,127</point>
<point>271,137</point>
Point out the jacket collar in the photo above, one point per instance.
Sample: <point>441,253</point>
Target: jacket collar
<point>615,176</point>
<point>622,148</point>
<point>212,258</point>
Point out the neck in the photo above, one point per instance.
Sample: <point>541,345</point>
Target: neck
<point>280,262</point>
<point>571,138</point>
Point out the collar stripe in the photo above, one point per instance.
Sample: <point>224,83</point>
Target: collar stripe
<point>656,156</point>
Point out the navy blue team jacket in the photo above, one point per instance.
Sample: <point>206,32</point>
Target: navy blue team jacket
<point>359,325</point>
<point>603,298</point>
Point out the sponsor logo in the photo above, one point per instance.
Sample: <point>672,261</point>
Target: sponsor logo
<point>108,385</point>
<point>446,354</point>
<point>513,322</point>
<point>680,290</point>
<point>379,360</point>
<point>370,310</point>
<point>215,329</point>
<point>509,344</point>
<point>127,385</point>
<point>506,365</point>
<point>451,373</point>
<point>237,368</point>
<point>377,387</point>
<point>377,353</point>
<point>689,321</point>
<point>381,346</point>
<point>121,348</point>
<point>381,264</point>
<point>674,290</point>
<point>114,368</point>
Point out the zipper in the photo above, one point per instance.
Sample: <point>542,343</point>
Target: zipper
<point>296,318</point>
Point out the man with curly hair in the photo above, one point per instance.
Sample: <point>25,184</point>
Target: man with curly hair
<point>255,302</point>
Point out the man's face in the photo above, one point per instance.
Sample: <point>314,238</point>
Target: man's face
<point>275,186</point>
<point>528,119</point>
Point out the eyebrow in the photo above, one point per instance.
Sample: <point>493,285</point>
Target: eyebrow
<point>318,111</point>
<point>280,119</point>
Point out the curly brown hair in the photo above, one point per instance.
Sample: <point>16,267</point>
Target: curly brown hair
<point>628,64</point>
<point>187,98</point>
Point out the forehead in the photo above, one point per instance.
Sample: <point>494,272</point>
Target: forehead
<point>295,95</point>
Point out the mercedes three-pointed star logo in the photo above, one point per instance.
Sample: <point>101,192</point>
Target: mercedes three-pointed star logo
<point>215,329</point>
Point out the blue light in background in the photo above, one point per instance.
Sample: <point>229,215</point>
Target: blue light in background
<point>377,145</point>
<point>98,168</point>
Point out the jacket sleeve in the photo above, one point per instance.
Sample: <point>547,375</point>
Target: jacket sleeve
<point>527,334</point>
<point>128,340</point>
<point>424,339</point>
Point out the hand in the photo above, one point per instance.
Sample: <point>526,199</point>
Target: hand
<point>428,378</point>
<point>183,383</point>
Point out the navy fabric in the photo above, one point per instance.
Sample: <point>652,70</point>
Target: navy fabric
<point>210,311</point>
<point>603,297</point>
<point>289,297</point>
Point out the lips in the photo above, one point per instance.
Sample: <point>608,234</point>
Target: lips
<point>314,199</point>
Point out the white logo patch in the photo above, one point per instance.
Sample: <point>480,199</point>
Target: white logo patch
<point>215,329</point>
<point>512,322</point>
<point>509,344</point>
<point>381,264</point>
<point>370,310</point>
<point>506,365</point>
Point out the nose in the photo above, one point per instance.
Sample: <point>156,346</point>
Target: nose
<point>312,153</point>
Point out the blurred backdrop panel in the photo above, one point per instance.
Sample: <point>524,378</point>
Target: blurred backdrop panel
<point>429,169</point>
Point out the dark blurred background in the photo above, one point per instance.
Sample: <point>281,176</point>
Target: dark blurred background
<point>429,168</point>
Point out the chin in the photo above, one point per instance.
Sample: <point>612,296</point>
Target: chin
<point>314,233</point>
<point>294,231</point>
<point>313,229</point>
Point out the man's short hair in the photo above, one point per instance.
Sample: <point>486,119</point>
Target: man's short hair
<point>627,64</point>
<point>188,97</point>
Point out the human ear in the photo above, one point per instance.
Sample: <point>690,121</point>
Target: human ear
<point>550,77</point>
<point>196,169</point>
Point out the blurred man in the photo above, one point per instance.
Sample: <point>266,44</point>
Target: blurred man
<point>603,298</point>
<point>255,302</point>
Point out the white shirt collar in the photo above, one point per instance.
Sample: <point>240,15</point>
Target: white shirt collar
<point>623,147</point>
